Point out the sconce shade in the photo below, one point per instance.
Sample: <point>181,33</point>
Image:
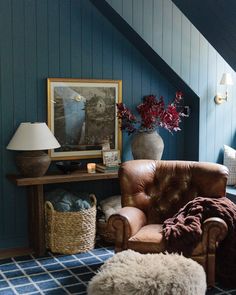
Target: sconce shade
<point>33,137</point>
<point>226,79</point>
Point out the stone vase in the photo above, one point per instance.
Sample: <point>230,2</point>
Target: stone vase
<point>147,145</point>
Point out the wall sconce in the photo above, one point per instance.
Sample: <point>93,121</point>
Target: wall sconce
<point>225,80</point>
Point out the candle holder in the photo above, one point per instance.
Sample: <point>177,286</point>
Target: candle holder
<point>91,168</point>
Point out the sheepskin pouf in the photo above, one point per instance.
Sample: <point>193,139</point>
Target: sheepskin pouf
<point>132,273</point>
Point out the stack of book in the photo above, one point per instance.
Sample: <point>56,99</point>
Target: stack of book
<point>103,168</point>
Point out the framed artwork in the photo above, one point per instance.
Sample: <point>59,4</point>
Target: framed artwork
<point>82,116</point>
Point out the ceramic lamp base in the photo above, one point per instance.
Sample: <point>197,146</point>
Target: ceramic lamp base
<point>33,163</point>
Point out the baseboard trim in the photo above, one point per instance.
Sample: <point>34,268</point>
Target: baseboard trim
<point>8,253</point>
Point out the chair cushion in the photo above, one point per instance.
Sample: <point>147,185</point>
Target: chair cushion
<point>148,239</point>
<point>110,205</point>
<point>148,233</point>
<point>230,163</point>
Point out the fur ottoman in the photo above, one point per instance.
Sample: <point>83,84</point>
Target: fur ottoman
<point>132,273</point>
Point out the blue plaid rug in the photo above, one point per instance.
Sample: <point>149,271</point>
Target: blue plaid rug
<point>57,274</point>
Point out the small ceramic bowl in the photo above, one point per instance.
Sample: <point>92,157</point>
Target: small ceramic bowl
<point>68,166</point>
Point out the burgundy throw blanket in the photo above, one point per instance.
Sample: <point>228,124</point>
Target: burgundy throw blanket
<point>183,232</point>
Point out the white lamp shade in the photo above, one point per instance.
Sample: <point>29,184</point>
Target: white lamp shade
<point>226,79</point>
<point>33,137</point>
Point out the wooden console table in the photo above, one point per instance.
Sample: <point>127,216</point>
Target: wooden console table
<point>36,200</point>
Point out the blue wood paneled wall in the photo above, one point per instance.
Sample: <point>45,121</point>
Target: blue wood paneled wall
<point>58,38</point>
<point>219,29</point>
<point>184,48</point>
<point>191,130</point>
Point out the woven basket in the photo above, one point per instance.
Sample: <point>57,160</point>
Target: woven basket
<point>70,232</point>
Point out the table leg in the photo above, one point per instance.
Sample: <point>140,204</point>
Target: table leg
<point>36,219</point>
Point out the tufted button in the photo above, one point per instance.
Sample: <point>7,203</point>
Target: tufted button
<point>162,210</point>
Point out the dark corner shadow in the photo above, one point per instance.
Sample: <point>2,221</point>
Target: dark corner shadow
<point>220,156</point>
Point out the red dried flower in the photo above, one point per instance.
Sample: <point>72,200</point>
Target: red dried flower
<point>128,120</point>
<point>152,114</point>
<point>178,96</point>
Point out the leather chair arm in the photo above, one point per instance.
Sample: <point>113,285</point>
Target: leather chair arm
<point>215,230</point>
<point>126,223</point>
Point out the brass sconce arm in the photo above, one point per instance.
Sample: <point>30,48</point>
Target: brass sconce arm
<point>219,99</point>
<point>225,80</point>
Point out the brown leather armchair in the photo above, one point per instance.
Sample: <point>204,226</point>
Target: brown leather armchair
<point>138,224</point>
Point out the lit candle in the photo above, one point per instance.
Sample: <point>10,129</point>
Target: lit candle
<point>91,168</point>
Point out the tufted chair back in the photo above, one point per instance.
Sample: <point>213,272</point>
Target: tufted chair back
<point>161,188</point>
<point>152,191</point>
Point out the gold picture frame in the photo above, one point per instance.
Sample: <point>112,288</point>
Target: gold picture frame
<point>82,116</point>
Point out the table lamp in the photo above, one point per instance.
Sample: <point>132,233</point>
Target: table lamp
<point>32,139</point>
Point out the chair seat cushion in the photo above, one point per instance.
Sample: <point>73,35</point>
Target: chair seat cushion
<point>148,233</point>
<point>132,273</point>
<point>148,239</point>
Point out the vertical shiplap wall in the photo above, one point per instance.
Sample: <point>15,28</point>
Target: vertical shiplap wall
<point>62,38</point>
<point>164,27</point>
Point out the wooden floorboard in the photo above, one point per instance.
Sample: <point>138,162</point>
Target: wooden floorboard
<point>8,253</point>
